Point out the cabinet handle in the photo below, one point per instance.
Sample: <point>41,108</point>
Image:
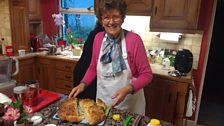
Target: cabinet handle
<point>67,86</point>
<point>67,67</point>
<point>169,98</point>
<point>155,11</point>
<point>38,70</point>
<point>68,77</point>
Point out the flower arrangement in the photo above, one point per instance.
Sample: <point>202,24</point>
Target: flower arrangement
<point>15,112</point>
<point>71,37</point>
<point>58,19</point>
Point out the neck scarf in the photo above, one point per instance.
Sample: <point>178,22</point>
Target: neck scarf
<point>112,53</point>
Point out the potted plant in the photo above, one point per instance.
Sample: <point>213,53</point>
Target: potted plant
<point>75,43</point>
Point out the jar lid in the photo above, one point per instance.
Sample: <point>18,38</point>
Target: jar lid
<point>19,89</point>
<point>31,81</point>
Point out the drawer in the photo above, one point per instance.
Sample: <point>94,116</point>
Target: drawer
<point>62,91</point>
<point>62,84</point>
<point>65,66</point>
<point>63,75</point>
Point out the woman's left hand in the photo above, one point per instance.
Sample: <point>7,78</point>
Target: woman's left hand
<point>121,94</point>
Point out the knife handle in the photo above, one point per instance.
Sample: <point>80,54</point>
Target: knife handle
<point>127,120</point>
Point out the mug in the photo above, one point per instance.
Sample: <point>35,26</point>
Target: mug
<point>21,52</point>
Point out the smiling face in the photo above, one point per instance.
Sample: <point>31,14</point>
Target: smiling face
<point>112,22</point>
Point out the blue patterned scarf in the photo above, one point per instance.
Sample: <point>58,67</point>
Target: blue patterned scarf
<point>112,53</point>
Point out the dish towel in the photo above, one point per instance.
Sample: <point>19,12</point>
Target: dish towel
<point>191,103</point>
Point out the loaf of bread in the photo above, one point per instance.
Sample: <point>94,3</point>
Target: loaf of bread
<point>68,110</point>
<point>74,110</point>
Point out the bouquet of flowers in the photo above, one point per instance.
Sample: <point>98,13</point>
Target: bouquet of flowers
<point>15,112</point>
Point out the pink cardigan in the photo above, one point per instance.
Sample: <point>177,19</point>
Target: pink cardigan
<point>137,60</point>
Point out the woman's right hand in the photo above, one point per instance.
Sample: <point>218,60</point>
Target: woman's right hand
<point>77,90</point>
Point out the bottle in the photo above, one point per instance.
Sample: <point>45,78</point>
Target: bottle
<point>8,50</point>
<point>154,122</point>
<point>3,45</point>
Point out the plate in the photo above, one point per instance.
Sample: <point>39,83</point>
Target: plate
<point>50,125</point>
<point>84,121</point>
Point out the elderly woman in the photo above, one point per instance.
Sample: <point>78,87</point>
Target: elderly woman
<point>119,62</point>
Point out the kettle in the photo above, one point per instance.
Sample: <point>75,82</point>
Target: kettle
<point>6,68</point>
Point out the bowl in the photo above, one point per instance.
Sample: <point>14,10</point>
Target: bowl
<point>36,118</point>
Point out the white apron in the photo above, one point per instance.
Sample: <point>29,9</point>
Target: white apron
<point>108,83</point>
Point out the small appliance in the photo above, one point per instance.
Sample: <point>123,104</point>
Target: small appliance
<point>183,61</point>
<point>6,83</point>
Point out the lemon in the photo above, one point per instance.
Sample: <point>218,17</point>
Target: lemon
<point>154,122</point>
<point>116,117</point>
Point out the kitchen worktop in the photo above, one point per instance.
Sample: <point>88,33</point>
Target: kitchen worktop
<point>49,113</point>
<point>157,69</point>
<point>44,54</point>
<point>160,72</point>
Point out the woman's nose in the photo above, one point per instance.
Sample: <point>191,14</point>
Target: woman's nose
<point>111,21</point>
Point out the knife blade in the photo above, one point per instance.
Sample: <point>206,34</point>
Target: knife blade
<point>137,120</point>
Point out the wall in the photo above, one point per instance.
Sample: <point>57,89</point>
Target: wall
<point>5,29</point>
<point>49,7</point>
<point>140,25</point>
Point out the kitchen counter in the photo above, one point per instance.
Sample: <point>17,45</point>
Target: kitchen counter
<point>49,111</point>
<point>156,68</point>
<point>160,72</point>
<point>45,55</point>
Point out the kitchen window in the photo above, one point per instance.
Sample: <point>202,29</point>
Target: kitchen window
<point>79,17</point>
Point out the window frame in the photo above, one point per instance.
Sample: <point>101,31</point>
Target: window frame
<point>80,11</point>
<point>76,10</point>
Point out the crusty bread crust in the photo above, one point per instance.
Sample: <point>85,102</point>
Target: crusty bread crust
<point>99,102</point>
<point>68,110</point>
<point>85,103</point>
<point>93,112</point>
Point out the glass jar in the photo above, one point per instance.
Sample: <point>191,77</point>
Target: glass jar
<point>32,92</point>
<point>19,93</point>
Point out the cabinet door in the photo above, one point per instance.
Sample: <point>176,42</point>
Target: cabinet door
<point>135,7</point>
<point>27,70</point>
<point>34,10</point>
<point>165,100</point>
<point>175,15</point>
<point>46,74</point>
<point>139,7</point>
<point>19,25</point>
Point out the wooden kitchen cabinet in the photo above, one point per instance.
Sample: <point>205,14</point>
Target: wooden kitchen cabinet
<point>27,70</point>
<point>19,24</point>
<point>135,7</point>
<point>46,73</point>
<point>165,99</point>
<point>139,7</point>
<point>34,10</point>
<point>64,76</point>
<point>175,16</point>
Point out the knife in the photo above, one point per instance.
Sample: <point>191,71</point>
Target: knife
<point>137,120</point>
